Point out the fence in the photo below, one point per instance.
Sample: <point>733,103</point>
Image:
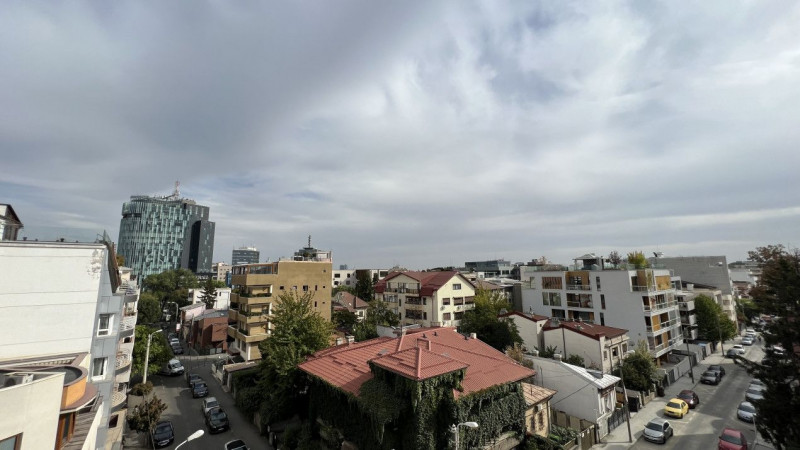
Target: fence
<point>587,431</point>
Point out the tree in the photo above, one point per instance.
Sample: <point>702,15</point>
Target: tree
<point>145,415</point>
<point>209,295</point>
<point>365,288</point>
<point>298,331</point>
<point>120,260</point>
<point>171,286</point>
<point>638,260</point>
<point>159,350</point>
<point>378,313</point>
<point>483,320</point>
<point>712,323</point>
<point>640,372</point>
<point>344,320</point>
<point>575,360</point>
<point>149,309</point>
<point>515,352</point>
<point>342,288</point>
<point>615,258</point>
<point>778,293</point>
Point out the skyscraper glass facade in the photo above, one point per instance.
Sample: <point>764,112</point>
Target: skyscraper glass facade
<point>164,233</point>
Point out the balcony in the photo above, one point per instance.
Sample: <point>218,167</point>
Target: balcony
<point>233,315</point>
<point>254,318</point>
<point>123,361</point>
<point>127,326</point>
<point>119,396</point>
<point>402,290</point>
<point>686,306</point>
<point>660,306</point>
<point>262,299</point>
<point>579,287</point>
<point>689,320</point>
<point>239,334</point>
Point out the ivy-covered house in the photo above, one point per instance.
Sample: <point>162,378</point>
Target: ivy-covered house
<point>407,392</point>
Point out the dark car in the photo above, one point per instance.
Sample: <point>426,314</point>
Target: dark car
<point>717,368</point>
<point>732,439</point>
<point>217,420</point>
<point>191,378</point>
<point>710,377</point>
<point>199,389</point>
<point>238,444</point>
<point>162,434</point>
<point>690,397</point>
<point>177,349</point>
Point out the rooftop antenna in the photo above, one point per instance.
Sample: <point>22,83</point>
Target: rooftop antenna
<point>309,241</point>
<point>177,192</point>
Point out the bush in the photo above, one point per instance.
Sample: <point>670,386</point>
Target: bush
<point>536,442</point>
<point>142,389</point>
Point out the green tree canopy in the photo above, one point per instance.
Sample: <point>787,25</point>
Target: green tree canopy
<point>171,286</point>
<point>378,313</point>
<point>365,288</point>
<point>209,295</point>
<point>159,350</point>
<point>343,288</point>
<point>298,331</point>
<point>778,294</point>
<point>639,369</point>
<point>144,416</point>
<point>712,323</point>
<point>148,309</point>
<point>638,260</point>
<point>483,320</point>
<point>344,320</point>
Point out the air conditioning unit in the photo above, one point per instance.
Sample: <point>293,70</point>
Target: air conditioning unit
<point>538,407</point>
<point>14,379</point>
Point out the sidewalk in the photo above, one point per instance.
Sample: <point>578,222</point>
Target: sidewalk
<point>618,437</point>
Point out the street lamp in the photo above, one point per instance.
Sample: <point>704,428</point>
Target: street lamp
<point>147,354</point>
<point>192,437</point>
<point>719,332</point>
<point>625,395</point>
<point>455,428</point>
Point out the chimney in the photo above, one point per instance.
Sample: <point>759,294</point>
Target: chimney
<point>473,336</point>
<point>339,341</point>
<point>350,339</point>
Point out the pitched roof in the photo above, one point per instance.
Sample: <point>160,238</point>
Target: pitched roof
<point>599,379</point>
<point>429,282</point>
<point>587,329</point>
<point>7,213</point>
<point>536,394</point>
<point>531,317</point>
<point>417,355</point>
<point>487,285</point>
<point>350,301</point>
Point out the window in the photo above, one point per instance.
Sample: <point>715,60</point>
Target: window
<point>315,304</point>
<point>280,288</point>
<point>456,286</point>
<point>446,316</point>
<point>337,275</point>
<point>11,443</point>
<point>602,319</point>
<point>458,315</point>
<point>99,367</point>
<point>104,325</point>
<point>552,283</point>
<point>605,355</point>
<point>603,301</point>
<point>305,288</point>
<point>551,298</point>
<point>446,301</point>
<point>597,282</point>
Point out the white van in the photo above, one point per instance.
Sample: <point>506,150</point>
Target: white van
<point>172,367</point>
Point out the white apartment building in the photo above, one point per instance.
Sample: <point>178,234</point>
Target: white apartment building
<point>223,300</point>
<point>64,309</point>
<point>601,347</point>
<point>427,298</point>
<point>706,270</point>
<point>642,301</point>
<point>349,277</point>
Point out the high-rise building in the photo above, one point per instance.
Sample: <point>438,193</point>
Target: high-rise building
<point>245,255</point>
<point>163,233</point>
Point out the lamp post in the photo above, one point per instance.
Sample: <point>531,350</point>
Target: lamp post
<point>455,428</point>
<point>719,333</point>
<point>689,355</point>
<point>625,395</point>
<point>192,437</point>
<point>147,354</point>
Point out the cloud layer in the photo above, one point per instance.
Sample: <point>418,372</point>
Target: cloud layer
<point>414,133</point>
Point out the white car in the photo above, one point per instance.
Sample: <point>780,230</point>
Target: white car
<point>208,403</point>
<point>739,349</point>
<point>747,340</point>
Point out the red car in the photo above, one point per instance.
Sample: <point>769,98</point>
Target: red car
<point>689,397</point>
<point>731,439</point>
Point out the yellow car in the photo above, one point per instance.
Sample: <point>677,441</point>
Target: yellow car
<point>676,408</point>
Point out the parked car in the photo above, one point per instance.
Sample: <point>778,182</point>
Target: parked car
<point>217,420</point>
<point>731,353</point>
<point>739,349</point>
<point>690,397</point>
<point>754,393</point>
<point>162,434</point>
<point>174,341</point>
<point>238,444</point>
<point>658,430</point>
<point>710,377</point>
<point>746,412</point>
<point>747,340</point>
<point>199,389</point>
<point>757,382</point>
<point>209,403</point>
<point>172,367</point>
<point>676,408</point>
<point>191,378</point>
<point>732,439</point>
<point>717,368</point>
<point>177,349</point>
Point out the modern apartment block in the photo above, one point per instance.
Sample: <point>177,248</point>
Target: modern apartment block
<point>427,298</point>
<point>490,269</point>
<point>349,277</point>
<point>245,255</point>
<point>705,270</point>
<point>257,289</point>
<point>163,233</point>
<point>77,322</point>
<point>640,300</point>
<point>9,223</point>
<point>220,271</point>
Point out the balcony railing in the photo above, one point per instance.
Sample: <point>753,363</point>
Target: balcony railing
<point>400,290</point>
<point>659,306</point>
<point>127,325</point>
<point>123,360</point>
<point>415,301</point>
<point>579,304</point>
<point>579,287</point>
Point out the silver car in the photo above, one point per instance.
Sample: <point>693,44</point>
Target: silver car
<point>753,393</point>
<point>658,430</point>
<point>746,412</point>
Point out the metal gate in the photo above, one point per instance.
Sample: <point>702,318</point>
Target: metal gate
<point>616,418</point>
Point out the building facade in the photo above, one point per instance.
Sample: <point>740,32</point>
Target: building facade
<point>705,270</point>
<point>490,269</point>
<point>642,301</point>
<point>427,298</point>
<point>164,233</point>
<point>9,223</point>
<point>245,255</point>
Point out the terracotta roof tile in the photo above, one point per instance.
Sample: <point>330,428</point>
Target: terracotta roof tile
<point>587,329</point>
<point>536,394</point>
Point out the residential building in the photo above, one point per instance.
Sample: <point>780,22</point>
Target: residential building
<point>349,277</point>
<point>640,300</point>
<point>686,309</point>
<point>9,223</point>
<point>83,314</point>
<point>529,327</point>
<point>221,271</point>
<point>537,412</point>
<point>581,393</point>
<point>438,363</point>
<point>208,332</point>
<point>705,270</point>
<point>257,287</point>
<point>164,233</point>
<point>223,297</point>
<point>490,269</point>
<point>349,302</point>
<point>186,314</point>
<point>601,347</point>
<point>245,255</point>
<point>427,298</point>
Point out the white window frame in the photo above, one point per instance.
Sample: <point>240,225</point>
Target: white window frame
<point>105,331</point>
<point>103,364</point>
<point>456,286</point>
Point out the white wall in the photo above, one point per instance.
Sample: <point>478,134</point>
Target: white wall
<point>48,297</point>
<point>529,331</point>
<point>32,409</point>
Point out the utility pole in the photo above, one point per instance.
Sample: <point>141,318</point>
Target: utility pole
<point>691,372</point>
<point>147,355</point>
<point>625,403</point>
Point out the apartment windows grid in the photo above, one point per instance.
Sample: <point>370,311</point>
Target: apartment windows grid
<point>104,324</point>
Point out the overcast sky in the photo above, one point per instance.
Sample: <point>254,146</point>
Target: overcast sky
<point>419,134</point>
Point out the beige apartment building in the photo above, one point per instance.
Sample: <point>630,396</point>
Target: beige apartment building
<point>427,298</point>
<point>257,289</point>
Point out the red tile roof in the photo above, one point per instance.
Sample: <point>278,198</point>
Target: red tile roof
<point>429,282</point>
<point>418,355</point>
<point>350,301</point>
<point>531,317</point>
<point>587,329</point>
